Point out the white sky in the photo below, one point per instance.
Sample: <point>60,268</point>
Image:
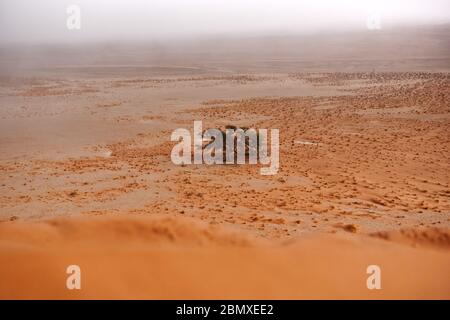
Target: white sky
<point>45,20</point>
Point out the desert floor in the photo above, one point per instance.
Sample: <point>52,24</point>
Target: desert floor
<point>86,178</point>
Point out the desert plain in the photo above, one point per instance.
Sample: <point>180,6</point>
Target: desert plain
<point>86,176</point>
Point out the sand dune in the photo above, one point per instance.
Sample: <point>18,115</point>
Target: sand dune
<point>157,258</point>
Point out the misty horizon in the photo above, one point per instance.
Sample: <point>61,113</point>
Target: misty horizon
<point>137,20</point>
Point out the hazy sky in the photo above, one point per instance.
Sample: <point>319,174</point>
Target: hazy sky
<point>45,20</point>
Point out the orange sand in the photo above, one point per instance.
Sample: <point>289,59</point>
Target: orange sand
<point>166,258</point>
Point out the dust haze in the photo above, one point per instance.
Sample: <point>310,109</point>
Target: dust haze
<point>120,20</point>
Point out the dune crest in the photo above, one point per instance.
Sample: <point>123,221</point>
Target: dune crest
<point>420,237</point>
<point>118,231</point>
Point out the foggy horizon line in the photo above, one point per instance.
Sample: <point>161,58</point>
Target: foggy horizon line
<point>171,39</point>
